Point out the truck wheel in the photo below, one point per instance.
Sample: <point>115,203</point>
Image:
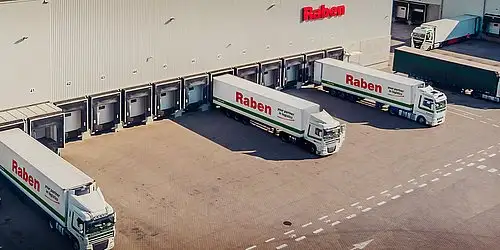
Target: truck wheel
<point>284,137</point>
<point>227,112</point>
<point>392,111</point>
<point>341,95</point>
<point>75,245</point>
<point>421,120</point>
<point>52,225</point>
<point>333,92</point>
<point>245,120</point>
<point>312,148</point>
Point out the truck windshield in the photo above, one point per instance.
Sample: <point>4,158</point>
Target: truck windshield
<point>99,225</point>
<point>440,105</point>
<point>329,134</point>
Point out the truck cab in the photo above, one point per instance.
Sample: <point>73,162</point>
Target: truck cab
<point>430,106</point>
<point>423,37</point>
<point>90,219</point>
<point>324,134</point>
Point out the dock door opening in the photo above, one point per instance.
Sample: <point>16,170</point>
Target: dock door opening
<point>195,92</point>
<point>309,67</point>
<point>293,71</point>
<point>105,112</point>
<point>249,72</point>
<point>167,98</point>
<point>75,118</point>
<point>137,105</point>
<point>271,74</point>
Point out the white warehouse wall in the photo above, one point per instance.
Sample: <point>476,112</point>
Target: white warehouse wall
<point>492,7</point>
<point>452,8</point>
<point>94,46</point>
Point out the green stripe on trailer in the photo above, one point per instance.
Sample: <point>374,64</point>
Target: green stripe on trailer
<point>368,94</point>
<point>258,115</point>
<point>33,194</point>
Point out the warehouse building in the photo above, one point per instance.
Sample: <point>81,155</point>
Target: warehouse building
<point>419,11</point>
<point>101,65</point>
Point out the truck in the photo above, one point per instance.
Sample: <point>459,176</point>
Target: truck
<point>459,73</point>
<point>72,201</point>
<point>403,96</point>
<point>293,119</point>
<point>438,33</point>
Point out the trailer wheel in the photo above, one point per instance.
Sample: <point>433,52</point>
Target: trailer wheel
<point>52,226</point>
<point>245,120</point>
<point>333,92</point>
<point>284,137</point>
<point>75,244</point>
<point>421,120</point>
<point>341,95</point>
<point>392,111</point>
<point>228,112</point>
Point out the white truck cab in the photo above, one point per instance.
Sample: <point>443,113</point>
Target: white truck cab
<point>325,132</point>
<point>430,105</point>
<point>423,38</point>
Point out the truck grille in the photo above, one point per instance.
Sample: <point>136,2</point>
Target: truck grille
<point>98,237</point>
<point>331,149</point>
<point>101,245</point>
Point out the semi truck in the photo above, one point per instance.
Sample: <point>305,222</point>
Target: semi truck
<point>293,119</point>
<point>438,33</point>
<point>447,70</point>
<point>403,96</point>
<point>72,201</point>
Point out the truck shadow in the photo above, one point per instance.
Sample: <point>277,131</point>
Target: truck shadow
<point>469,101</point>
<point>477,48</point>
<point>354,112</point>
<point>237,137</point>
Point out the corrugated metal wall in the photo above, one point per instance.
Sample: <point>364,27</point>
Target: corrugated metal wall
<point>97,45</point>
<point>492,7</point>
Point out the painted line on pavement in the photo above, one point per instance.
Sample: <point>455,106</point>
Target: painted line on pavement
<point>300,238</point>
<point>408,191</point>
<point>269,240</point>
<point>308,224</point>
<point>281,246</point>
<point>340,210</point>
<point>369,198</point>
<point>318,231</point>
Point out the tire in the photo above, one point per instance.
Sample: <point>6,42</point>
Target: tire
<point>75,245</point>
<point>245,121</point>
<point>342,95</point>
<point>284,137</point>
<point>228,112</point>
<point>392,111</point>
<point>312,148</point>
<point>421,120</point>
<point>52,225</point>
<point>333,92</point>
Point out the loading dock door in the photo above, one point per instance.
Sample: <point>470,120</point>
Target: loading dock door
<point>136,106</point>
<point>250,73</point>
<point>167,98</point>
<point>417,13</point>
<point>75,117</point>
<point>105,113</point>
<point>309,69</point>
<point>271,74</point>
<point>72,120</point>
<point>196,92</point>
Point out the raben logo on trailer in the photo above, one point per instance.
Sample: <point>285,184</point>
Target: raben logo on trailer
<point>25,176</point>
<point>311,14</point>
<point>361,83</point>
<point>251,103</point>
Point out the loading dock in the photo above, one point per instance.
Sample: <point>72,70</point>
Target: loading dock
<point>249,72</point>
<point>271,74</point>
<point>9,120</point>
<point>293,71</point>
<point>214,74</point>
<point>75,118</point>
<point>309,65</point>
<point>46,124</point>
<point>105,112</point>
<point>137,105</point>
<point>195,93</point>
<point>167,96</point>
<point>335,53</point>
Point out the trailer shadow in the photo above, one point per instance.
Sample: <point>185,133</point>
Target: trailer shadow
<point>468,101</point>
<point>354,112</point>
<point>237,137</point>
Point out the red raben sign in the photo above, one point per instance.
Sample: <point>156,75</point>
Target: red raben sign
<point>361,83</point>
<point>251,103</point>
<point>311,14</point>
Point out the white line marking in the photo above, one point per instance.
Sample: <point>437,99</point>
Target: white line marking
<point>366,209</point>
<point>381,203</point>
<point>480,160</point>
<point>496,126</point>
<point>489,119</point>
<point>463,111</point>
<point>269,240</point>
<point>491,155</point>
<point>354,204</point>
<point>459,160</point>
<point>437,169</point>
<point>252,247</point>
<point>447,165</point>
<point>300,238</point>
<point>324,217</point>
<point>412,180</point>
<point>461,115</point>
<point>469,156</point>
<point>350,216</point>
<point>459,169</point>
<point>281,246</point>
<point>328,221</point>
<point>471,164</point>
<point>289,232</point>
<point>423,175</point>
<point>480,151</point>
<point>369,198</point>
<point>335,223</point>
<point>383,192</point>
<point>493,170</point>
<point>481,167</point>
<point>490,147</point>
<point>422,185</point>
<point>435,179</point>
<point>398,186</point>
<point>408,191</point>
<point>395,197</point>
<point>446,174</point>
<point>340,210</point>
<point>318,231</point>
<point>483,122</point>
<point>308,224</point>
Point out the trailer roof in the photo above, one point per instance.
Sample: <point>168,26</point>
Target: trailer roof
<point>48,163</point>
<point>265,91</point>
<point>452,19</point>
<point>462,59</point>
<point>371,71</point>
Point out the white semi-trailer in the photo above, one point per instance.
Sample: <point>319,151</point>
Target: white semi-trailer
<point>293,119</point>
<point>438,33</point>
<point>74,204</point>
<point>406,97</point>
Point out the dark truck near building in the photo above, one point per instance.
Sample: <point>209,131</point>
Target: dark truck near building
<point>447,70</point>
